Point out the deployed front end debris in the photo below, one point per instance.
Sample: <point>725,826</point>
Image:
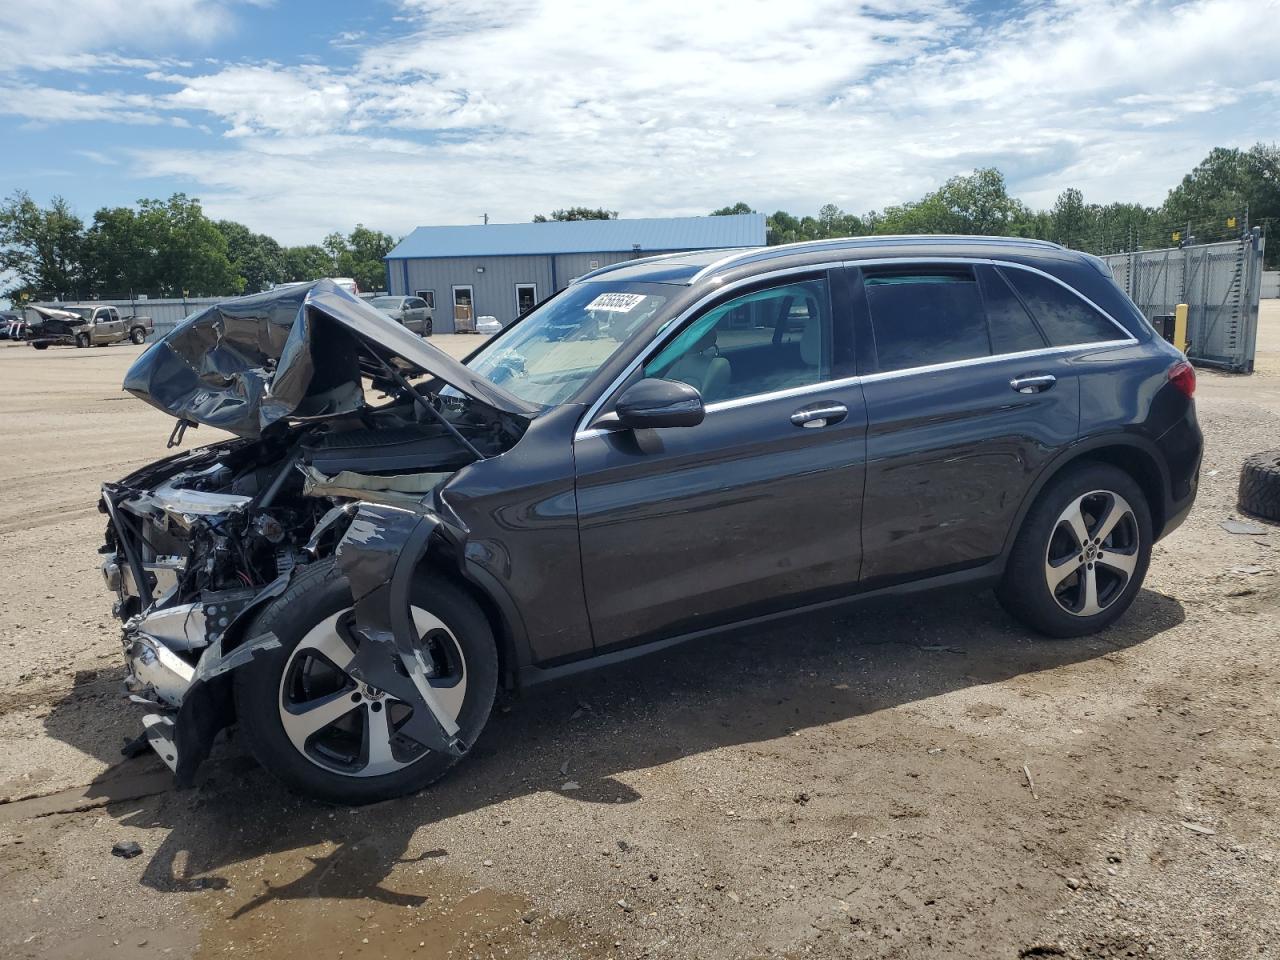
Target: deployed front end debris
<point>197,544</point>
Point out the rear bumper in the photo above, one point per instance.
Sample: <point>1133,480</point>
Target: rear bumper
<point>1182,446</point>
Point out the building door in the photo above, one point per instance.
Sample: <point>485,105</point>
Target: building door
<point>464,314</point>
<point>526,297</point>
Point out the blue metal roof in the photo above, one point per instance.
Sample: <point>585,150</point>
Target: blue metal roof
<point>582,236</point>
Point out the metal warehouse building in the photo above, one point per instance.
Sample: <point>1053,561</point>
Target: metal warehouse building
<point>502,269</point>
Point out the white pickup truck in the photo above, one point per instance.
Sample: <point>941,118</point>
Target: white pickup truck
<point>91,326</point>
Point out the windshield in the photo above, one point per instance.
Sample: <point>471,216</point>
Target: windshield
<point>383,303</point>
<point>554,350</point>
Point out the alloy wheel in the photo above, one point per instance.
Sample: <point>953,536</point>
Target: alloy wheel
<point>348,727</point>
<point>1092,553</point>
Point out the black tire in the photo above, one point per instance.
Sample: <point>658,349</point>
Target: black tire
<point>41,346</point>
<point>1260,485</point>
<point>138,335</point>
<point>1025,592</point>
<point>318,593</point>
<point>82,340</point>
<point>428,329</point>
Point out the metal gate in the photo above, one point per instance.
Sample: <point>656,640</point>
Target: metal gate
<point>1219,282</point>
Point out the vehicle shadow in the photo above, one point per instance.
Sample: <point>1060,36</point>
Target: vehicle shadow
<point>746,687</point>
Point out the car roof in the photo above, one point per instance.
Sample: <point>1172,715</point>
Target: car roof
<point>696,266</point>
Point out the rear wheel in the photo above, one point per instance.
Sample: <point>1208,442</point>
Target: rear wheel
<point>138,335</point>
<point>41,346</point>
<point>325,734</point>
<point>1082,553</point>
<point>427,328</point>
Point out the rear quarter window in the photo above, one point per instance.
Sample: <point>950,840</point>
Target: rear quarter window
<point>1061,314</point>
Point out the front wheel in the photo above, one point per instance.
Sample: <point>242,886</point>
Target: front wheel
<point>1082,553</point>
<point>328,736</point>
<point>138,335</point>
<point>82,340</point>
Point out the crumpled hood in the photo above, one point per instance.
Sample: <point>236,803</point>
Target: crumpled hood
<point>292,352</point>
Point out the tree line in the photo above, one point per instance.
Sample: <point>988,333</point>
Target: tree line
<point>170,248</point>
<point>164,248</point>
<point>1225,194</point>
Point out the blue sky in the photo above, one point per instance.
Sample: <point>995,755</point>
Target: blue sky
<point>301,118</point>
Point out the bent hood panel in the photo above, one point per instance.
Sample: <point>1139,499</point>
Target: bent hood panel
<point>295,351</point>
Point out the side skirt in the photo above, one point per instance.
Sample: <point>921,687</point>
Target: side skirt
<point>983,576</point>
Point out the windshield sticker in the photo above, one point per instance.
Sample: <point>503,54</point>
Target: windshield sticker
<point>616,302</point>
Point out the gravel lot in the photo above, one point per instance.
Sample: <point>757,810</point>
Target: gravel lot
<point>848,786</point>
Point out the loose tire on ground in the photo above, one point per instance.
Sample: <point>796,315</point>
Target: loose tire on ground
<point>320,592</point>
<point>1260,485</point>
<point>1025,592</point>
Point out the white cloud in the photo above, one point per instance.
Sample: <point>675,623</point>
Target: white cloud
<point>668,107</point>
<point>35,28</point>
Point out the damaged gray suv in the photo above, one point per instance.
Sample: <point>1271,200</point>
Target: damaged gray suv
<point>667,448</point>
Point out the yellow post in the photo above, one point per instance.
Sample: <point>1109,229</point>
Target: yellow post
<point>1180,326</point>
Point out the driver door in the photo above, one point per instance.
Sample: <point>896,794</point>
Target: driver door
<point>756,509</point>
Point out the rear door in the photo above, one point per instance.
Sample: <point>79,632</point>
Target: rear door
<point>757,508</point>
<point>966,403</point>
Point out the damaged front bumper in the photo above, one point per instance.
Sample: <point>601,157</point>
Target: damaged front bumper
<point>179,655</point>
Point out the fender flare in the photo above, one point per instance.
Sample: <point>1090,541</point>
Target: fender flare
<point>1080,451</point>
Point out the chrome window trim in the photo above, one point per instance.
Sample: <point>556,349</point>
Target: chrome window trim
<point>668,331</point>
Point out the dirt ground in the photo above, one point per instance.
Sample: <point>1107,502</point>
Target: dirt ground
<point>838,786</point>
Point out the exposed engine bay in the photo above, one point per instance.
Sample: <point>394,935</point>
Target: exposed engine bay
<point>197,543</point>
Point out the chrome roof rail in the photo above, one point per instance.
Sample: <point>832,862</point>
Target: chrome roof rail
<point>871,240</point>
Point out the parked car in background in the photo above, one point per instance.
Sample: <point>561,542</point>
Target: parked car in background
<point>647,457</point>
<point>95,326</point>
<point>412,312</point>
<point>11,325</point>
<point>488,326</point>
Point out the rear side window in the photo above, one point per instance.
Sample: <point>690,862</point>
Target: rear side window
<point>925,316</point>
<point>1063,316</point>
<point>1012,329</point>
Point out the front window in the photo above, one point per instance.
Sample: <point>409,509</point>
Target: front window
<point>385,303</point>
<point>553,351</point>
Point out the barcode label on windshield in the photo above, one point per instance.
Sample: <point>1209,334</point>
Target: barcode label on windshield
<point>616,302</point>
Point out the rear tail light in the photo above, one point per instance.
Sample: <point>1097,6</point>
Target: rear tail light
<point>1183,376</point>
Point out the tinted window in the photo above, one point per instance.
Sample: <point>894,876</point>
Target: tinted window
<point>773,339</point>
<point>920,317</point>
<point>1064,317</point>
<point>1012,329</point>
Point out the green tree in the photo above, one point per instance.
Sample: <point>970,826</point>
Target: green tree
<point>40,248</point>
<point>1069,219</point>
<point>578,213</point>
<point>359,255</point>
<point>186,253</point>
<point>1221,186</point>
<point>119,258</point>
<point>308,262</point>
<point>258,259</point>
<point>736,209</point>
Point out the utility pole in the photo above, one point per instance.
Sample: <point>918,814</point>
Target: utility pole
<point>486,219</point>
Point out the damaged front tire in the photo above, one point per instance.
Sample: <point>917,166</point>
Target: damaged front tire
<point>330,736</point>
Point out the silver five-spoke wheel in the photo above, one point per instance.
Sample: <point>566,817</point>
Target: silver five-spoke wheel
<point>348,727</point>
<point>1092,553</point>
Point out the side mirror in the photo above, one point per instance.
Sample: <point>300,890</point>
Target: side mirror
<point>659,403</point>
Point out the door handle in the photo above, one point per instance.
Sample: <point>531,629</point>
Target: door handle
<point>1036,384</point>
<point>814,417</point>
